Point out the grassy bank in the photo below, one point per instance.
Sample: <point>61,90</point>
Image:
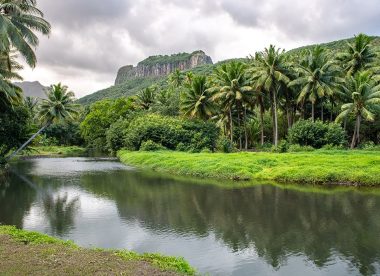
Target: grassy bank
<point>55,151</point>
<point>31,253</point>
<point>318,167</point>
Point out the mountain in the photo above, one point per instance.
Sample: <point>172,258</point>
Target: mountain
<point>154,70</point>
<point>32,89</point>
<point>159,66</point>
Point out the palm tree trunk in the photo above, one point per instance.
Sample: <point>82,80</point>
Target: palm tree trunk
<point>231,128</point>
<point>239,124</point>
<point>262,120</point>
<point>245,128</point>
<point>312,111</point>
<point>322,112</point>
<point>355,137</point>
<point>332,111</point>
<point>27,142</point>
<point>275,119</point>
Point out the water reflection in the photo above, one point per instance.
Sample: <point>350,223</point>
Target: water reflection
<point>262,230</point>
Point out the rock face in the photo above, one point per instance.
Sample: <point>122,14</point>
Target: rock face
<point>32,89</point>
<point>156,66</point>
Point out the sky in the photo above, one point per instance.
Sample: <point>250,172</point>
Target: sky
<point>91,39</point>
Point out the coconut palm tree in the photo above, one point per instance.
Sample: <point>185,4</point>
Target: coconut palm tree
<point>10,94</point>
<point>58,106</point>
<point>317,77</point>
<point>232,90</point>
<point>19,20</point>
<point>146,98</point>
<point>268,71</point>
<point>176,78</point>
<point>196,101</point>
<point>358,55</point>
<point>365,99</point>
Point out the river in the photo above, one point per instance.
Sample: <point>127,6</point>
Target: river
<point>260,230</point>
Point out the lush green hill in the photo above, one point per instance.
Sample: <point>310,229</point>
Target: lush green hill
<point>132,87</point>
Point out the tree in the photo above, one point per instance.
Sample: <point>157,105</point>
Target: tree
<point>358,55</point>
<point>268,71</point>
<point>10,94</point>
<point>176,78</point>
<point>146,98</point>
<point>317,77</point>
<point>19,20</point>
<point>232,90</point>
<point>196,101</point>
<point>365,99</point>
<point>58,106</point>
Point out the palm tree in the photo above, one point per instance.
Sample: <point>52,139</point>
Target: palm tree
<point>10,94</point>
<point>58,106</point>
<point>269,70</point>
<point>317,77</point>
<point>232,89</point>
<point>358,55</point>
<point>365,98</point>
<point>176,78</point>
<point>19,19</point>
<point>196,101</point>
<point>146,98</point>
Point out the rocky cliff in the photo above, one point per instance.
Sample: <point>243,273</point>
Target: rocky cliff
<point>156,66</point>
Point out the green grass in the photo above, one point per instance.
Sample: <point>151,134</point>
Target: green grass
<point>318,167</point>
<point>168,263</point>
<point>55,151</point>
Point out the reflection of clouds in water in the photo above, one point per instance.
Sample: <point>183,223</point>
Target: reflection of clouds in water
<point>74,166</point>
<point>220,231</point>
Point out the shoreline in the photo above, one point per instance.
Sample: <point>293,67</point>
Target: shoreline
<point>49,254</point>
<point>324,168</point>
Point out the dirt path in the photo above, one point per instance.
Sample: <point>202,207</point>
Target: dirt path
<point>18,258</point>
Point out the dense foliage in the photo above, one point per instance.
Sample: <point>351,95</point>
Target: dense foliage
<point>316,134</point>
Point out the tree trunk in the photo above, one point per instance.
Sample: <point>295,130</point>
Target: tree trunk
<point>262,121</point>
<point>275,119</point>
<point>245,128</point>
<point>312,111</point>
<point>239,124</point>
<point>231,128</point>
<point>355,137</point>
<point>27,142</point>
<point>332,111</point>
<point>271,96</point>
<point>322,112</point>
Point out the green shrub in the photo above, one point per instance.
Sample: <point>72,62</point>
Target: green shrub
<point>316,134</point>
<point>371,146</point>
<point>170,132</point>
<point>298,148</point>
<point>115,135</point>
<point>224,145</point>
<point>333,147</point>
<point>282,147</point>
<point>151,146</point>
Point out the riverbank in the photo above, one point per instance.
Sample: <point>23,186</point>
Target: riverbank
<point>354,168</point>
<point>31,253</point>
<point>54,151</point>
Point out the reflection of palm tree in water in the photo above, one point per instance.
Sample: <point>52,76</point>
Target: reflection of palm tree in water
<point>60,212</point>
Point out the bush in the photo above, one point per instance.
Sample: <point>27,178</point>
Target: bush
<point>224,145</point>
<point>371,146</point>
<point>115,135</point>
<point>151,146</point>
<point>172,133</point>
<point>316,134</point>
<point>282,147</point>
<point>332,147</point>
<point>298,148</point>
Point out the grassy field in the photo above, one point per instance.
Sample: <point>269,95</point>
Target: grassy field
<point>31,253</point>
<point>317,167</point>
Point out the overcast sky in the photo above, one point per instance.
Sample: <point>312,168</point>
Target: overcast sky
<point>91,39</point>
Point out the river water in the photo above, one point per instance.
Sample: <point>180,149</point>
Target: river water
<point>261,230</point>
